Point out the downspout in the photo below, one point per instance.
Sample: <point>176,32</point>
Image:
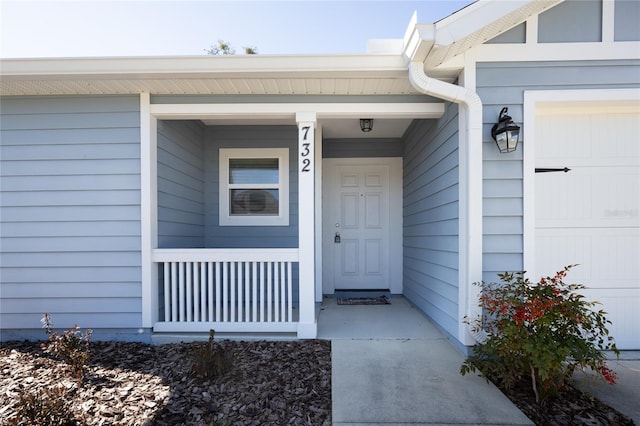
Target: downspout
<point>471,230</point>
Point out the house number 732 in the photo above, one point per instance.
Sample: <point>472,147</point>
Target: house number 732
<point>305,151</point>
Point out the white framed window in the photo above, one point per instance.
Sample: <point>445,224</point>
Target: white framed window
<point>254,187</point>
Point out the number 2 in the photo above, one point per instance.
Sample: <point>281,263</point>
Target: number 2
<point>306,165</point>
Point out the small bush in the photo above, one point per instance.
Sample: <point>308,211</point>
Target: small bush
<point>48,407</point>
<point>72,346</point>
<point>540,332</point>
<point>210,360</point>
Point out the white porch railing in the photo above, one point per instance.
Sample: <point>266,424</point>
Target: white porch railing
<point>229,290</point>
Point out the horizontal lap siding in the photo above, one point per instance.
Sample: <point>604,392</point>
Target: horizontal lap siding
<point>503,84</point>
<point>70,223</point>
<point>180,184</point>
<point>430,217</point>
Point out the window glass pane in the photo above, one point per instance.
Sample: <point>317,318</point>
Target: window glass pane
<point>253,170</point>
<point>256,202</point>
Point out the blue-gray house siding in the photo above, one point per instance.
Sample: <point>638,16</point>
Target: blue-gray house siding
<point>181,184</point>
<point>503,84</point>
<point>430,217</point>
<point>70,225</point>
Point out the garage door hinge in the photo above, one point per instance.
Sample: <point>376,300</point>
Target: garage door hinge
<point>566,169</point>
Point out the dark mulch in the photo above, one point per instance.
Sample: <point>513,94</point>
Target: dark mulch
<point>570,407</point>
<point>269,383</point>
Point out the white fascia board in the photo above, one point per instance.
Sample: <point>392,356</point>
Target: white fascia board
<point>555,52</point>
<point>473,18</point>
<point>289,110</point>
<point>419,42</point>
<point>168,67</point>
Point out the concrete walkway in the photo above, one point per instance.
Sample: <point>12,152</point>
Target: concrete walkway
<point>624,396</point>
<point>391,366</point>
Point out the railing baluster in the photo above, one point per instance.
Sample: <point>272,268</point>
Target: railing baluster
<point>276,292</point>
<point>262,295</point>
<point>269,289</point>
<point>283,298</point>
<point>218,298</point>
<point>238,286</point>
<point>174,291</point>
<point>203,291</point>
<point>254,291</point>
<point>232,289</point>
<point>247,291</point>
<point>181,286</point>
<point>189,284</point>
<point>196,291</point>
<point>225,291</point>
<point>167,294</point>
<point>289,292</point>
<point>210,290</point>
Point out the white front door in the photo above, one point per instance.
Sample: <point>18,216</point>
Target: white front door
<point>589,215</point>
<point>361,224</point>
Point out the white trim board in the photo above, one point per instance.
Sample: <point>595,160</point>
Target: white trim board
<point>289,110</point>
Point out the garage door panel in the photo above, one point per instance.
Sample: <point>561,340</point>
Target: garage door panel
<point>604,256</point>
<point>589,197</point>
<point>605,127</point>
<point>622,310</point>
<point>585,137</point>
<point>563,199</point>
<point>564,136</point>
<point>555,250</point>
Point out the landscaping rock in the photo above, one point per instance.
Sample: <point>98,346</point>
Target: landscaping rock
<point>268,383</point>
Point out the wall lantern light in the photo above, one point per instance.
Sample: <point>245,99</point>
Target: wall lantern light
<point>505,132</point>
<point>366,124</point>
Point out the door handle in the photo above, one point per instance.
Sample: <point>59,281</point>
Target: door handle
<point>336,239</point>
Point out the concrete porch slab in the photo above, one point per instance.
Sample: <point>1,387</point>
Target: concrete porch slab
<point>399,320</point>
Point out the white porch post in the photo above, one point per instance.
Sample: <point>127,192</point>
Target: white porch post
<point>148,210</point>
<point>307,327</point>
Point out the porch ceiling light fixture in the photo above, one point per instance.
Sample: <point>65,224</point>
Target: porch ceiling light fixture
<point>505,132</point>
<point>366,124</point>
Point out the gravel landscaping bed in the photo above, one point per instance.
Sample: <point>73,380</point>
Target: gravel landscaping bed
<point>269,383</point>
<point>570,407</point>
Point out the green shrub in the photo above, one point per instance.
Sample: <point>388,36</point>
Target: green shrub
<point>72,346</point>
<point>540,332</point>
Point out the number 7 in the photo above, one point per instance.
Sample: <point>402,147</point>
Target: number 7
<point>305,129</point>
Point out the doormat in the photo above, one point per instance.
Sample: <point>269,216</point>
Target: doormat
<point>382,300</point>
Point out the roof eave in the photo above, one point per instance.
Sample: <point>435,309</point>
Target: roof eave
<point>193,66</point>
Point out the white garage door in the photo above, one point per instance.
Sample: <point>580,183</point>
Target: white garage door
<point>591,214</point>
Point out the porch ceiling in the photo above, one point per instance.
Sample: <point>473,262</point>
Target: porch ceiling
<point>348,128</point>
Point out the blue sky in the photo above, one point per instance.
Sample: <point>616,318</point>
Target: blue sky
<point>157,28</point>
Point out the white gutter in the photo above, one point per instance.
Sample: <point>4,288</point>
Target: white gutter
<point>470,175</point>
